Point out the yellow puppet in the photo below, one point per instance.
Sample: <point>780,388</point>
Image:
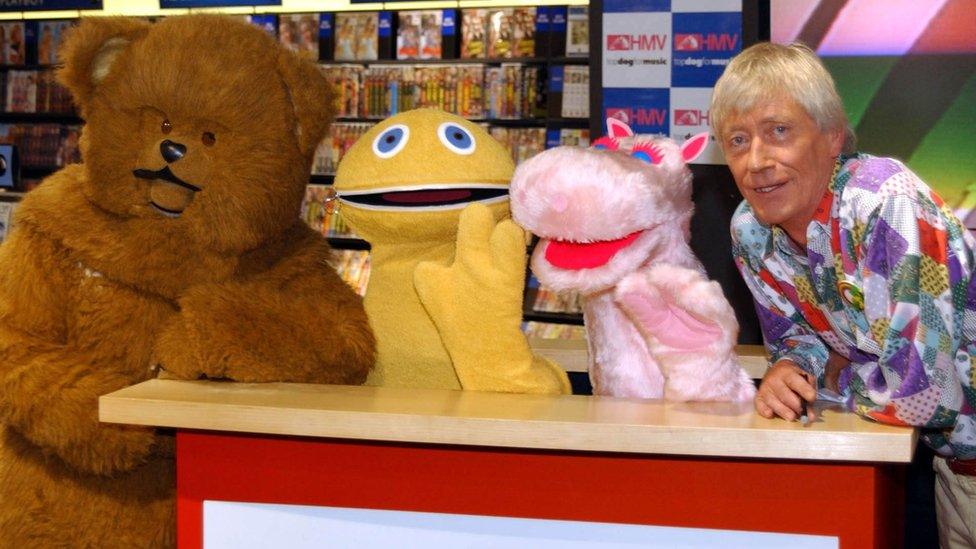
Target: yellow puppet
<point>429,191</point>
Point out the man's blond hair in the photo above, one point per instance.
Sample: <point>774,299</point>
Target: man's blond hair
<point>768,70</point>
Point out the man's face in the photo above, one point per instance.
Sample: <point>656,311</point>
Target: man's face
<point>781,161</point>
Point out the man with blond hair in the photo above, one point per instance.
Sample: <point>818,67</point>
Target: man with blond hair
<point>861,276</point>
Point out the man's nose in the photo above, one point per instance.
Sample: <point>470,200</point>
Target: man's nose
<point>758,156</point>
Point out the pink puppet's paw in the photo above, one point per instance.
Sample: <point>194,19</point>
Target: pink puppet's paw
<point>655,309</point>
<point>690,329</point>
<point>696,296</point>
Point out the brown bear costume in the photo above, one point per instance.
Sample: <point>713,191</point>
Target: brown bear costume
<point>177,243</point>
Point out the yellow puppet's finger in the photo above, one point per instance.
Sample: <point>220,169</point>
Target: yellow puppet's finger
<point>474,232</point>
<point>508,248</point>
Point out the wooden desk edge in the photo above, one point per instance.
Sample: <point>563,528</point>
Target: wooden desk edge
<point>193,405</point>
<point>572,355</point>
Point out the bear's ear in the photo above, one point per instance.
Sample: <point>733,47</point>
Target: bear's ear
<point>89,50</point>
<point>312,98</point>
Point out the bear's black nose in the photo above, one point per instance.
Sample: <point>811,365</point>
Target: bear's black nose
<point>171,151</point>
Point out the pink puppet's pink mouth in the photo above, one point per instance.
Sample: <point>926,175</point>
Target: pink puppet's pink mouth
<point>566,254</point>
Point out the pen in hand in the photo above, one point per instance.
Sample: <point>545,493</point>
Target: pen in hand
<point>805,416</point>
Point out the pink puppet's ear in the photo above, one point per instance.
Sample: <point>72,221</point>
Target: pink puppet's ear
<point>693,148</point>
<point>616,128</point>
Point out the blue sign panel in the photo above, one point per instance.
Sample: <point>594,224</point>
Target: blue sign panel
<point>326,22</point>
<point>386,24</point>
<point>556,79</point>
<point>448,23</point>
<point>557,21</point>
<point>645,110</point>
<point>703,43</point>
<point>635,6</point>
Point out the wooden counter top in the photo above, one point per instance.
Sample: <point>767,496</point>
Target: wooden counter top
<point>573,356</point>
<point>493,419</point>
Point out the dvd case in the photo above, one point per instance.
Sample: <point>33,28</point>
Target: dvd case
<point>542,30</point>
<point>500,33</point>
<point>576,92</point>
<point>299,32</point>
<point>49,35</point>
<point>474,33</point>
<point>430,34</point>
<point>13,43</point>
<point>21,92</point>
<point>326,36</point>
<point>6,218</point>
<point>557,31</point>
<point>408,35</point>
<point>267,22</point>
<point>577,32</point>
<point>356,36</point>
<point>449,34</point>
<point>523,32</point>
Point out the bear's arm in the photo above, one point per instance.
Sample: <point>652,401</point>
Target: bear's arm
<point>48,389</point>
<point>287,316</point>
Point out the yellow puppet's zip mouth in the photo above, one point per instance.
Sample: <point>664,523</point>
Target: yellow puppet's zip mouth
<point>425,197</point>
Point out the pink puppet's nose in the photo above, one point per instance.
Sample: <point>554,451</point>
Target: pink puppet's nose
<point>558,202</point>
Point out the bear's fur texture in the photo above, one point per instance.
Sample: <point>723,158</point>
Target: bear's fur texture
<point>108,276</point>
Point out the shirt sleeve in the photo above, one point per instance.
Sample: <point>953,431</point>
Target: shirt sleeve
<point>786,334</point>
<point>916,265</point>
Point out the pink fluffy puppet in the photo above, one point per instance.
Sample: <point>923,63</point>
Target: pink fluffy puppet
<point>614,225</point>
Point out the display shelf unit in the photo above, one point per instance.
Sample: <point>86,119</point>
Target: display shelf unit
<point>41,119</point>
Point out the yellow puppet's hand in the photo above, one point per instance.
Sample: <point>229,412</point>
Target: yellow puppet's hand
<point>476,304</point>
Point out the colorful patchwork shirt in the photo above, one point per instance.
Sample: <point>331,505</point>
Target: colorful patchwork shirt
<point>886,281</point>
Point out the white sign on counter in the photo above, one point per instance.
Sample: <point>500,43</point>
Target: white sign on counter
<point>253,525</point>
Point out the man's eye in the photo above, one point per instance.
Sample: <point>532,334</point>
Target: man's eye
<point>781,130</point>
<point>737,141</point>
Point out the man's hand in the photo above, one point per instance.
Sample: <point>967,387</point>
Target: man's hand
<point>782,389</point>
<point>835,365</point>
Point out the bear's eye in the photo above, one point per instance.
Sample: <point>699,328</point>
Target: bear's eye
<point>208,138</point>
<point>456,138</point>
<point>391,141</point>
<point>166,127</point>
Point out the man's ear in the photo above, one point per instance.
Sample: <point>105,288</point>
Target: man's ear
<point>313,99</point>
<point>88,51</point>
<point>836,139</point>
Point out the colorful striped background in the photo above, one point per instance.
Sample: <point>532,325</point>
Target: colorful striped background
<point>906,70</point>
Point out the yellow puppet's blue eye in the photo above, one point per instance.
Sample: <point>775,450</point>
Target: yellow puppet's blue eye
<point>391,141</point>
<point>456,138</point>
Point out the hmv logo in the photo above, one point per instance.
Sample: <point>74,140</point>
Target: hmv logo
<point>640,42</point>
<point>706,42</point>
<point>690,117</point>
<point>639,116</point>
